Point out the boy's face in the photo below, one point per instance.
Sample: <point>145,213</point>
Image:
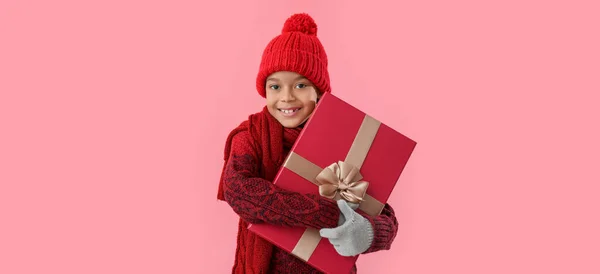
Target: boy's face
<point>291,98</point>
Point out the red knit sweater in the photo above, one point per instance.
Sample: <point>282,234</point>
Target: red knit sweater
<point>246,184</point>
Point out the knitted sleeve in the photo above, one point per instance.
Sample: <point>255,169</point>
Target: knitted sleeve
<point>257,200</point>
<point>385,227</point>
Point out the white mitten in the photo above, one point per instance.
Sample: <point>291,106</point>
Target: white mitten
<point>355,234</point>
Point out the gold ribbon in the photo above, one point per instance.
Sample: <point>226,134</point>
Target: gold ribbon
<point>339,180</point>
<point>342,179</point>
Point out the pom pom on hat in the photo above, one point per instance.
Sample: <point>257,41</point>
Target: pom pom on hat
<point>300,22</point>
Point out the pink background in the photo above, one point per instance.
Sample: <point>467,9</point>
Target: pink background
<point>113,116</point>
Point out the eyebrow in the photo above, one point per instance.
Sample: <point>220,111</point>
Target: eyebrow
<point>296,79</point>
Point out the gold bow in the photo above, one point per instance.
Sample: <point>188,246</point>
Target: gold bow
<point>344,179</point>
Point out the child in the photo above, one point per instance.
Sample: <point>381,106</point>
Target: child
<point>292,77</point>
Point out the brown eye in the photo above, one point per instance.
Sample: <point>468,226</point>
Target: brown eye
<point>300,86</point>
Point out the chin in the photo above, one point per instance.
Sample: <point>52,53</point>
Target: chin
<point>289,124</point>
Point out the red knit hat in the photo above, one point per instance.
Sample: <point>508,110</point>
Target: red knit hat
<point>296,49</point>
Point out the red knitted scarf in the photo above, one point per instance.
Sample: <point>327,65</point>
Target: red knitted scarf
<point>271,141</point>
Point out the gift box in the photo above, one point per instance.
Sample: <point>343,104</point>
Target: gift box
<point>342,153</point>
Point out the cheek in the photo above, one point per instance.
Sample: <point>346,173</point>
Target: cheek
<point>313,95</point>
<point>310,98</point>
<point>271,100</point>
<point>310,107</point>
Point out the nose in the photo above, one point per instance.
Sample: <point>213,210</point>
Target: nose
<point>287,95</point>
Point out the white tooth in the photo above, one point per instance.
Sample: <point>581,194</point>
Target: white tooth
<point>288,111</point>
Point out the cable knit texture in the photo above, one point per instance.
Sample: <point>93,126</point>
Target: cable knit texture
<point>254,152</point>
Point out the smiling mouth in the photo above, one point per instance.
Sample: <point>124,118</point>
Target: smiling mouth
<point>289,111</point>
